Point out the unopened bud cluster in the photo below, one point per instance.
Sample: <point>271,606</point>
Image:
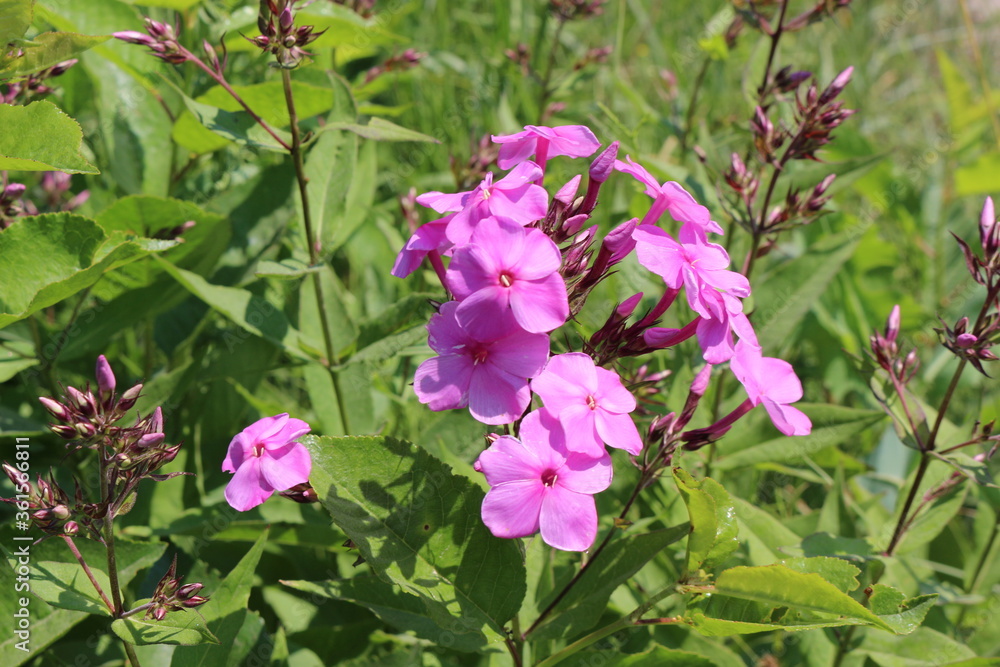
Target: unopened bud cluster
<point>34,85</point>
<point>161,39</point>
<point>170,595</point>
<point>887,354</point>
<point>280,36</point>
<point>567,10</point>
<point>50,508</point>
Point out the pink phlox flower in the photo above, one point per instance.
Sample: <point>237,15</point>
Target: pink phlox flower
<point>670,197</point>
<point>514,197</point>
<point>591,403</point>
<point>536,483</point>
<point>507,271</point>
<point>544,143</point>
<point>773,383</point>
<point>266,458</point>
<point>489,375</point>
<point>693,262</point>
<point>429,237</point>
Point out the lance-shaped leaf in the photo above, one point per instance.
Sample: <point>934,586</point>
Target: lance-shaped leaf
<point>76,253</point>
<point>713,521</point>
<point>40,137</point>
<point>418,525</point>
<point>185,627</point>
<point>15,18</point>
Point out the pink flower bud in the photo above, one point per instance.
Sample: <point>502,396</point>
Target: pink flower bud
<point>892,325</point>
<point>150,440</point>
<point>63,431</point>
<point>567,193</point>
<point>129,398</point>
<point>700,383</point>
<point>628,306</point>
<point>187,591</point>
<point>55,408</point>
<point>134,37</point>
<point>575,223</point>
<point>71,528</point>
<point>604,164</point>
<point>105,377</point>
<point>966,340</point>
<point>285,19</point>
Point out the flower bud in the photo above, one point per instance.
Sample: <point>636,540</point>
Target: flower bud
<point>160,613</point>
<point>129,398</point>
<point>85,429</point>
<point>575,223</point>
<point>55,408</point>
<point>105,378</point>
<point>63,431</point>
<point>837,86</point>
<point>619,241</point>
<point>193,602</point>
<point>134,37</point>
<point>61,512</point>
<point>285,20</point>
<point>966,340</point>
<point>150,440</point>
<point>567,193</point>
<point>187,591</point>
<point>604,163</point>
<point>71,528</point>
<point>892,325</point>
<point>628,306</point>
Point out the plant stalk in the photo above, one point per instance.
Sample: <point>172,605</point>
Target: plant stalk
<point>332,359</point>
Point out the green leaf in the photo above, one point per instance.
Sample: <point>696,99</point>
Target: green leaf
<point>40,137</point>
<point>185,627</point>
<point>659,656</point>
<point>226,613</point>
<point>266,99</point>
<point>179,5</point>
<point>583,606</point>
<point>406,612</point>
<point>286,269</point>
<point>380,129</point>
<point>787,294</point>
<point>838,572</point>
<point>49,49</point>
<point>65,585</point>
<point>236,125</point>
<point>718,627</point>
<point>961,106</point>
<point>780,586</point>
<point>412,310</point>
<point>249,311</point>
<point>418,525</point>
<point>923,648</point>
<point>15,19</point>
<point>713,520</point>
<point>832,425</point>
<point>77,253</point>
<point>905,616</point>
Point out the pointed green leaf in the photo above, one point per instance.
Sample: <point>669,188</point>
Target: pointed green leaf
<point>77,253</point>
<point>40,137</point>
<point>784,298</point>
<point>225,612</point>
<point>418,525</point>
<point>380,129</point>
<point>185,627</point>
<point>50,49</point>
<point>713,520</point>
<point>406,612</point>
<point>286,269</point>
<point>838,572</point>
<point>780,586</point>
<point>905,616</point>
<point>65,585</point>
<point>15,19</point>
<point>246,309</point>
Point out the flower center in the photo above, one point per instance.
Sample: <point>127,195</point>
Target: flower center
<point>549,477</point>
<point>591,402</point>
<point>506,279</point>
<point>258,449</point>
<point>479,355</point>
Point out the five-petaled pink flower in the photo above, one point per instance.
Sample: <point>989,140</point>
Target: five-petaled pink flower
<point>669,197</point>
<point>266,458</point>
<point>514,197</point>
<point>545,142</point>
<point>536,483</point>
<point>489,374</point>
<point>507,271</point>
<point>772,382</point>
<point>590,402</point>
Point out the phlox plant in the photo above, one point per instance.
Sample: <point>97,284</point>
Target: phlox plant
<point>438,333</point>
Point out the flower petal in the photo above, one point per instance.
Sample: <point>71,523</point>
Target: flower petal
<point>442,383</point>
<point>568,520</point>
<point>612,394</point>
<point>540,305</point>
<point>248,488</point>
<point>497,397</point>
<point>511,509</point>
<point>584,474</point>
<point>618,430</point>
<point>284,468</point>
<point>788,420</point>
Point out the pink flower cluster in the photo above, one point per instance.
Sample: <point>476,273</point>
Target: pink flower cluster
<point>513,285</point>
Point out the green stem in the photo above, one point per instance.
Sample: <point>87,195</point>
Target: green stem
<point>229,89</point>
<point>775,38</point>
<point>300,173</point>
<point>108,533</point>
<point>897,534</point>
<point>693,105</point>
